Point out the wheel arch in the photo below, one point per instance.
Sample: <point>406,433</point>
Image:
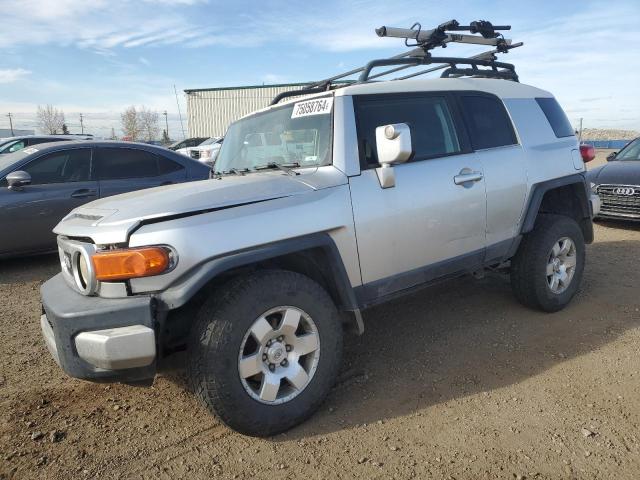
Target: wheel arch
<point>566,196</point>
<point>315,256</point>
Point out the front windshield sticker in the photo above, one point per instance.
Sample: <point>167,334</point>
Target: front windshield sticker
<point>320,106</point>
<point>29,151</point>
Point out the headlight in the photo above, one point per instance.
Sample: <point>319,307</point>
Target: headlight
<point>205,153</point>
<point>126,263</point>
<point>83,271</point>
<point>593,186</point>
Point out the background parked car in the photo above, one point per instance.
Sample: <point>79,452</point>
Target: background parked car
<point>618,183</point>
<point>13,144</point>
<point>207,151</point>
<point>186,143</point>
<point>40,185</point>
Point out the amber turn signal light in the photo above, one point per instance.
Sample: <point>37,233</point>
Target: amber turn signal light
<point>130,263</point>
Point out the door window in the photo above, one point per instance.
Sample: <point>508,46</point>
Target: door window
<point>433,133</point>
<point>61,167</point>
<point>13,147</point>
<point>487,121</point>
<point>118,163</point>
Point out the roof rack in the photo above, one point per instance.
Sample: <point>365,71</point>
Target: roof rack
<point>482,33</point>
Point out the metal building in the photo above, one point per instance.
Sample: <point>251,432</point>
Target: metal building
<point>211,110</point>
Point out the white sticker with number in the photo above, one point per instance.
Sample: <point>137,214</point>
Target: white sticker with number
<point>307,108</point>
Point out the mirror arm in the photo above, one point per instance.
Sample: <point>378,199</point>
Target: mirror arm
<point>386,176</point>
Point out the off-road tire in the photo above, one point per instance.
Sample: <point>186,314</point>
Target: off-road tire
<point>528,267</point>
<point>218,332</point>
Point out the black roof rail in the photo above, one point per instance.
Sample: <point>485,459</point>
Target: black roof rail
<point>482,33</point>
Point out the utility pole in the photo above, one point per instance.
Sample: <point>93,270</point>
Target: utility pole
<point>580,131</point>
<point>166,122</point>
<point>81,125</point>
<point>10,123</point>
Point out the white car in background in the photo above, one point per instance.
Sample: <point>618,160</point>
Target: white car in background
<point>207,151</point>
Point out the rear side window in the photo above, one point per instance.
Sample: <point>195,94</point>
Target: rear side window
<point>117,163</point>
<point>556,116</point>
<point>487,121</point>
<point>432,130</point>
<point>167,166</point>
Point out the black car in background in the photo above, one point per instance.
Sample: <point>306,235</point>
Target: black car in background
<point>618,183</point>
<point>41,184</point>
<point>13,144</point>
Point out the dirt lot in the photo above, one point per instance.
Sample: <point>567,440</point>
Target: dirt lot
<point>458,381</point>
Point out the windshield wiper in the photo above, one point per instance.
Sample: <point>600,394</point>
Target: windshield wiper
<point>235,171</point>
<point>285,167</point>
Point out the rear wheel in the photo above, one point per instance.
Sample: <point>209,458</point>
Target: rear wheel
<point>265,351</point>
<point>547,270</point>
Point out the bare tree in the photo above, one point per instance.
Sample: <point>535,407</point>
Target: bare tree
<point>50,119</point>
<point>150,127</point>
<point>131,125</point>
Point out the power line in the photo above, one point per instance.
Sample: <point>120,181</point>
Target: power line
<point>179,112</point>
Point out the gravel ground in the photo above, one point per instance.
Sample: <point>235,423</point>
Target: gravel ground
<point>457,381</point>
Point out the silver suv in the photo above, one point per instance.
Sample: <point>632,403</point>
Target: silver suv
<point>321,207</point>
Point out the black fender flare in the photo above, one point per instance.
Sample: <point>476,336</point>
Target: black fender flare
<point>192,281</point>
<point>540,189</point>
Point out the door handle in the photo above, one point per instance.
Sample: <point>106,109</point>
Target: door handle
<point>467,176</point>
<point>83,193</point>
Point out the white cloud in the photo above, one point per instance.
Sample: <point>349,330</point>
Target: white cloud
<point>10,75</point>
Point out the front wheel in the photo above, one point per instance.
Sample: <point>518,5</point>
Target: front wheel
<point>265,351</point>
<point>547,269</point>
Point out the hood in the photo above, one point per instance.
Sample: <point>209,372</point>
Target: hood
<point>112,219</point>
<point>621,172</point>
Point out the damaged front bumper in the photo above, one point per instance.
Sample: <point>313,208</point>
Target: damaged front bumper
<point>99,339</point>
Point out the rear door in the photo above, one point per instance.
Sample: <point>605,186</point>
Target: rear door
<point>124,169</point>
<point>60,182</point>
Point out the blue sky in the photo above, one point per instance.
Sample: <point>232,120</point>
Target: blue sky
<point>97,57</point>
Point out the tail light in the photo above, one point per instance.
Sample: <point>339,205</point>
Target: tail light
<point>587,152</point>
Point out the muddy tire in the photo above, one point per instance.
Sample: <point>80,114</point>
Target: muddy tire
<point>265,351</point>
<point>547,270</point>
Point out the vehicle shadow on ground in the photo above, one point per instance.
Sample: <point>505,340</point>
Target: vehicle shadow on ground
<point>28,269</point>
<point>470,336</point>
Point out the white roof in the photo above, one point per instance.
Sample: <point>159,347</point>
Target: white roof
<point>500,88</point>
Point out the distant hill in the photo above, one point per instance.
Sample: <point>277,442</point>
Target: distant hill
<point>608,134</point>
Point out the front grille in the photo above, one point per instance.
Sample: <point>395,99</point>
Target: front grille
<point>195,154</point>
<point>620,200</point>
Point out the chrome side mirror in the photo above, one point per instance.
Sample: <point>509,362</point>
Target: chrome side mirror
<point>18,179</point>
<point>393,144</point>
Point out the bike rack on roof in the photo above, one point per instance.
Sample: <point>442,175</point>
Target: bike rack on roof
<point>482,33</point>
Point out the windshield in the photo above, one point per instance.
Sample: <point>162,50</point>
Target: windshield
<point>297,134</point>
<point>630,152</point>
<point>12,146</point>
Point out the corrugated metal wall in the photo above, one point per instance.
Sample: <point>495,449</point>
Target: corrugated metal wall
<point>210,112</point>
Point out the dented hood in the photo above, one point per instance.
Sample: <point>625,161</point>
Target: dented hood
<point>112,219</point>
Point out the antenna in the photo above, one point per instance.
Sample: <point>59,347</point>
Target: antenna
<point>179,112</point>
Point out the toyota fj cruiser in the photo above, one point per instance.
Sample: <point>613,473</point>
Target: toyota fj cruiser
<point>356,193</point>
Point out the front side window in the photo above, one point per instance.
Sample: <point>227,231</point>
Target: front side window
<point>13,146</point>
<point>60,167</point>
<point>433,133</point>
<point>118,163</point>
<point>280,136</point>
<point>487,121</point>
<point>630,152</point>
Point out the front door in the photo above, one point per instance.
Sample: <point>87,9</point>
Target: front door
<point>60,182</point>
<point>432,222</point>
